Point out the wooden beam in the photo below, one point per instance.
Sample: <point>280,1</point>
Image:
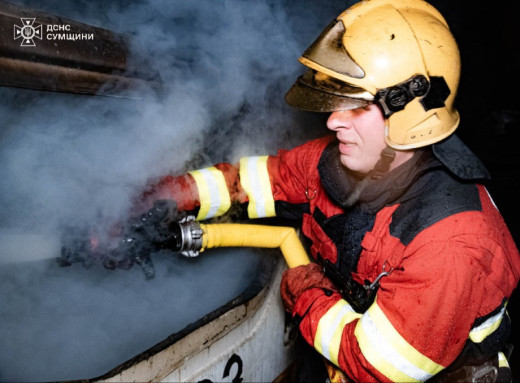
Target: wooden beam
<point>47,52</point>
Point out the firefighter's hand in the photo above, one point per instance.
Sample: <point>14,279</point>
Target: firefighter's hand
<point>299,279</point>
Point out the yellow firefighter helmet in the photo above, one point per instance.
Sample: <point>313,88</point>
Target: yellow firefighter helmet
<point>399,54</point>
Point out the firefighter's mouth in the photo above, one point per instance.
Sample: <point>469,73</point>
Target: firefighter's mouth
<point>347,147</point>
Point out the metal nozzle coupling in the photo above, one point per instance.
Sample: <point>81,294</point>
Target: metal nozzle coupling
<point>191,235</point>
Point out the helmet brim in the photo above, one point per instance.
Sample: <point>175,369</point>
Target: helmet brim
<point>310,95</point>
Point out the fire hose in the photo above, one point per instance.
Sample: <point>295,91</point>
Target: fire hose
<point>161,229</point>
<point>195,237</point>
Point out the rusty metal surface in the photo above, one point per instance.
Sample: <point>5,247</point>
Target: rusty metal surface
<point>47,52</point>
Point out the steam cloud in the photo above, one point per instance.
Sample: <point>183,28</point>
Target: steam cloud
<point>67,159</point>
<point>225,67</point>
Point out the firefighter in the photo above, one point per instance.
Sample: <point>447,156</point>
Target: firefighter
<point>391,201</point>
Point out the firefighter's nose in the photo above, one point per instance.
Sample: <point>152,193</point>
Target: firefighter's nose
<point>338,119</point>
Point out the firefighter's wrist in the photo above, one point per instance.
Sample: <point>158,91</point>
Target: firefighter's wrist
<point>310,297</point>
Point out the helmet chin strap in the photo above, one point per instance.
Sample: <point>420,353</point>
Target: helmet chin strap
<point>380,169</point>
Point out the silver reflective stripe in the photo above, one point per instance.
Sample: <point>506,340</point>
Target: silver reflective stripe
<point>389,352</point>
<point>481,332</point>
<point>213,193</point>
<point>254,178</point>
<point>327,340</point>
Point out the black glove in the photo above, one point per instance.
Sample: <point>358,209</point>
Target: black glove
<point>132,242</point>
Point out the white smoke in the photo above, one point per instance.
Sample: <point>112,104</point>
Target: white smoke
<point>68,159</point>
<point>225,67</point>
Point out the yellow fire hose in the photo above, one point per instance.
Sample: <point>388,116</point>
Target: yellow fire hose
<point>198,237</point>
<point>246,235</point>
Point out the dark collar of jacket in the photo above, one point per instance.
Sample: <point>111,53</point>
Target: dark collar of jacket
<point>451,154</point>
<point>460,160</point>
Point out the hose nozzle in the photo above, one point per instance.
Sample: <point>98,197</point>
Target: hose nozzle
<point>191,237</point>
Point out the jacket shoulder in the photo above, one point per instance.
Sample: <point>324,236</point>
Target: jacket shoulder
<point>435,196</point>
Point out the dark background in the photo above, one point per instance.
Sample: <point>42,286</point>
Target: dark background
<point>488,40</point>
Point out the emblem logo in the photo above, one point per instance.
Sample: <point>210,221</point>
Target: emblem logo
<point>28,31</point>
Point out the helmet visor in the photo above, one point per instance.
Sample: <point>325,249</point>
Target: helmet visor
<point>317,92</point>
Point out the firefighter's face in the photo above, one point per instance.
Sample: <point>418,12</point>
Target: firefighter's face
<point>361,135</point>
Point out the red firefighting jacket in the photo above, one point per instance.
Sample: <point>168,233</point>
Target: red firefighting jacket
<point>452,261</point>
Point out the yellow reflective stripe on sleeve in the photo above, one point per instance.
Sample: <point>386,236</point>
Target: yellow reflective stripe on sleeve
<point>254,178</point>
<point>330,328</point>
<point>502,360</point>
<point>213,192</point>
<point>389,352</point>
<point>481,332</point>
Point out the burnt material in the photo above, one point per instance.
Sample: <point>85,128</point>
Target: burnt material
<point>46,52</point>
<point>153,231</point>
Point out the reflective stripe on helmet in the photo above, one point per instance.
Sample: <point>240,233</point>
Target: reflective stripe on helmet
<point>383,346</point>
<point>254,178</point>
<point>213,192</point>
